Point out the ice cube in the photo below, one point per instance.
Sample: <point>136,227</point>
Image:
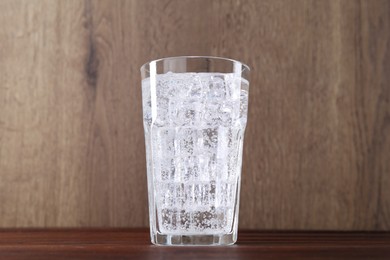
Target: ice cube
<point>188,141</point>
<point>217,88</point>
<point>196,91</point>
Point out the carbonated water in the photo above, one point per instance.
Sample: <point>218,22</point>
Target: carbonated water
<point>194,126</point>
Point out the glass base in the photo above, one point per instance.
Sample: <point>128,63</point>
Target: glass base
<point>194,240</point>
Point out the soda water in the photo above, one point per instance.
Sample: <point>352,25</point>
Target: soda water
<point>194,127</point>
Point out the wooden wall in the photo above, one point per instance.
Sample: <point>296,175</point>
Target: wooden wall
<point>317,149</point>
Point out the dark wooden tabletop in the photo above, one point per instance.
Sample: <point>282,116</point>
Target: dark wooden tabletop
<point>135,244</point>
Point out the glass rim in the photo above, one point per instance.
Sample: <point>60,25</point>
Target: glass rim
<point>245,66</point>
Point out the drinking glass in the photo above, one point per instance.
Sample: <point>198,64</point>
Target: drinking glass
<point>194,115</point>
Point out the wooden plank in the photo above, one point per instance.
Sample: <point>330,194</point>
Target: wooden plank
<point>318,138</point>
<point>135,244</point>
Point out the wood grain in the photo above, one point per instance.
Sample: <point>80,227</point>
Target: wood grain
<point>135,244</point>
<point>317,150</point>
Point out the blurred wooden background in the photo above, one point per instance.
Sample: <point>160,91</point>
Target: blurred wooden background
<point>317,150</point>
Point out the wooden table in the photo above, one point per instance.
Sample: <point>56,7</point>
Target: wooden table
<point>135,244</point>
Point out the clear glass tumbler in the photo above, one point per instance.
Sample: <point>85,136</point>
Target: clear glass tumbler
<point>194,114</point>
